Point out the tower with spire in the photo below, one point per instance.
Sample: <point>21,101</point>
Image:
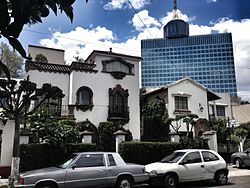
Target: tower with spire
<point>176,28</point>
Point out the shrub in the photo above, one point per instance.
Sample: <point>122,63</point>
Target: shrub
<point>106,136</point>
<point>146,152</point>
<point>35,156</point>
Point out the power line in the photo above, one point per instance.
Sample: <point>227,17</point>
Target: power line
<point>145,26</point>
<point>140,18</point>
<point>78,40</point>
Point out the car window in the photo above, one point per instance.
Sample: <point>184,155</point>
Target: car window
<point>193,157</point>
<point>209,156</point>
<point>111,160</point>
<point>89,160</point>
<point>173,158</point>
<point>248,150</point>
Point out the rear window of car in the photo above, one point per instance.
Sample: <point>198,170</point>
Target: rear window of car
<point>111,160</point>
<point>90,160</point>
<point>209,156</point>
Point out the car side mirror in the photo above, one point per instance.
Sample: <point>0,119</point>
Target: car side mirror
<point>247,152</point>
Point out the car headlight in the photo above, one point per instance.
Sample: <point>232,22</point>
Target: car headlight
<point>153,173</point>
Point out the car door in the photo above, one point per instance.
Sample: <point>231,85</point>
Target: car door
<point>88,171</point>
<point>247,157</point>
<point>211,164</point>
<point>191,167</point>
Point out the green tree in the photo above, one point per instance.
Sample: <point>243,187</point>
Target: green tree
<point>14,14</point>
<point>41,58</point>
<point>51,130</point>
<point>189,120</point>
<point>12,60</point>
<point>155,127</point>
<point>220,126</point>
<point>15,99</point>
<point>106,136</point>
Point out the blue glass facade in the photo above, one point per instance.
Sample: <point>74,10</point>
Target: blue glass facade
<point>208,59</point>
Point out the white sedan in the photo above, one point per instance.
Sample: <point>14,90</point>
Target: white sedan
<point>188,165</point>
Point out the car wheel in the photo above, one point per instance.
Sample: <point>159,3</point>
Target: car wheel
<point>221,178</point>
<point>46,185</point>
<point>170,181</point>
<point>124,182</point>
<point>238,163</point>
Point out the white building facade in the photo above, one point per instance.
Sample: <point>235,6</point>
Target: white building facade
<point>103,88</point>
<point>183,97</point>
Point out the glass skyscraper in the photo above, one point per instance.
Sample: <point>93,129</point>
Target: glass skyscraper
<point>208,59</point>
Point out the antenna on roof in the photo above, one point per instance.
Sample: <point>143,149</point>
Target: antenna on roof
<point>175,16</point>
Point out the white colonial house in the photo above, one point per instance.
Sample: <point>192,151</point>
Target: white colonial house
<point>105,87</point>
<point>184,96</point>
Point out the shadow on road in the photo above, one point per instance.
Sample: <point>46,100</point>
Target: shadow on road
<point>201,184</point>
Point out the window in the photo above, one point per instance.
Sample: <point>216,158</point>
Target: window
<point>111,160</point>
<point>118,68</point>
<point>193,157</point>
<point>84,98</point>
<point>208,156</point>
<point>90,160</point>
<point>181,103</point>
<point>51,106</point>
<point>220,111</point>
<point>118,104</point>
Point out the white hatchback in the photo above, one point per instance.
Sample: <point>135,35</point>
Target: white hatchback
<point>188,165</point>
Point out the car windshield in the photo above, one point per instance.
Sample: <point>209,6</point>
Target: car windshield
<point>68,161</point>
<point>173,158</point>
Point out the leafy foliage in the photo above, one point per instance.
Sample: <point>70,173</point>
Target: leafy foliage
<point>155,127</point>
<point>14,14</point>
<point>106,136</point>
<point>12,60</point>
<point>41,58</point>
<point>146,152</point>
<point>48,130</point>
<point>220,126</point>
<point>35,156</point>
<point>16,98</point>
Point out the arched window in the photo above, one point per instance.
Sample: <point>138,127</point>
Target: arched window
<point>84,98</point>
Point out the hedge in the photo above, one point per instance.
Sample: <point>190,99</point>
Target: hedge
<point>146,152</point>
<point>33,156</point>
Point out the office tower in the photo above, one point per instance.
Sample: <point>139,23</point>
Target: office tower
<point>208,59</point>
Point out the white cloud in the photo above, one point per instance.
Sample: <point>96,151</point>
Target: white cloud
<point>211,1</point>
<point>101,38</point>
<point>147,20</point>
<point>120,4</point>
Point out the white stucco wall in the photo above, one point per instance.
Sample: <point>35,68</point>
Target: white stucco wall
<point>224,101</point>
<point>7,143</point>
<point>55,79</point>
<point>100,83</point>
<point>197,98</point>
<point>54,56</point>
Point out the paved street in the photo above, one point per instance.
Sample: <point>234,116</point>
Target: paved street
<point>238,178</point>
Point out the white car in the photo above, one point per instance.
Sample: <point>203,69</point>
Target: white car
<point>188,165</point>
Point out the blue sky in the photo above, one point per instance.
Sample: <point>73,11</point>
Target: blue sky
<point>101,24</point>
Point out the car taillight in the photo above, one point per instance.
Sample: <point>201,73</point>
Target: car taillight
<point>21,181</point>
